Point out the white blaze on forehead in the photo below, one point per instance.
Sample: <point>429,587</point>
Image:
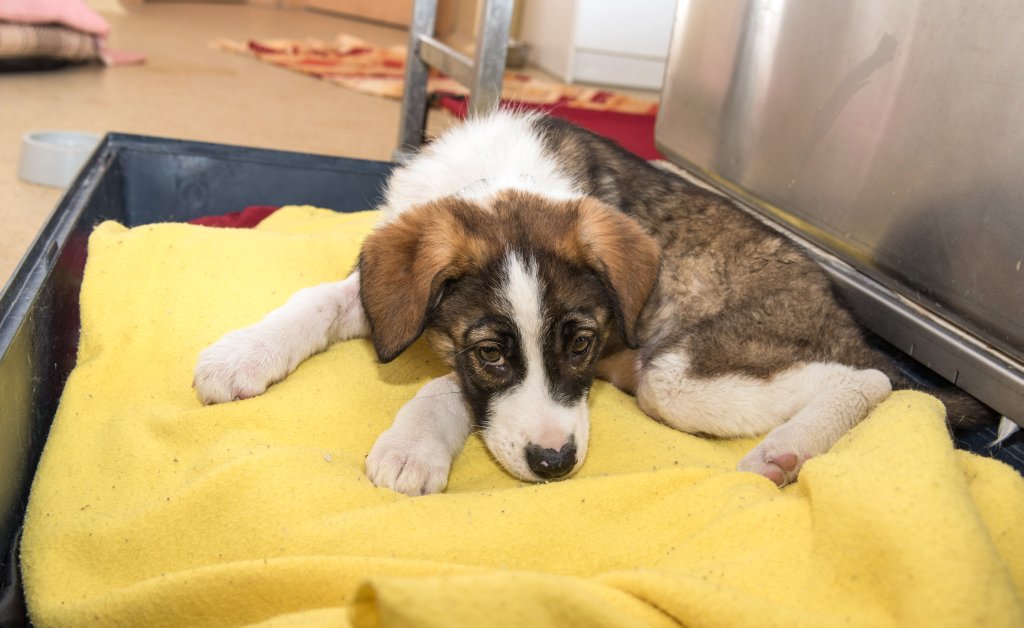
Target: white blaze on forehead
<point>523,298</point>
<point>526,413</point>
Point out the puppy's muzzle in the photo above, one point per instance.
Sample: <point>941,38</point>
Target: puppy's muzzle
<point>551,464</point>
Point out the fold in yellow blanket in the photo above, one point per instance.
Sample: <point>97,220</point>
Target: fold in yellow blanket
<point>149,509</point>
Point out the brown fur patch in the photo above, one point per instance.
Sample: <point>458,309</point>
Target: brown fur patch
<point>405,264</point>
<point>734,295</point>
<point>625,256</point>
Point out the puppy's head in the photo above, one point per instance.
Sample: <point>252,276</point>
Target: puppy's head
<point>519,294</point>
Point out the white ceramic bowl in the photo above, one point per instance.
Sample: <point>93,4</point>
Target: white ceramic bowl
<point>53,158</point>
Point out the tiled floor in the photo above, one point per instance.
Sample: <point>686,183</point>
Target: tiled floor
<point>188,90</point>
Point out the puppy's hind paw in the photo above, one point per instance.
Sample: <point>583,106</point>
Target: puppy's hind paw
<point>410,467</point>
<point>781,467</point>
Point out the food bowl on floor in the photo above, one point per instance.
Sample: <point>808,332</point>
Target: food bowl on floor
<point>53,158</point>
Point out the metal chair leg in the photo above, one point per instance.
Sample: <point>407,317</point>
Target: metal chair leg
<point>491,49</point>
<point>483,75</point>
<point>414,96</point>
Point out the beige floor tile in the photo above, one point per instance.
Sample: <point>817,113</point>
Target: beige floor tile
<point>188,90</point>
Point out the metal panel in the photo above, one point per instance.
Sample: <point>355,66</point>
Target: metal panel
<point>891,134</point>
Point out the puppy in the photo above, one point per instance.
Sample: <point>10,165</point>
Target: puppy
<point>535,256</point>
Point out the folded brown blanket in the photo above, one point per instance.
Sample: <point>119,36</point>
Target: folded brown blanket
<point>23,46</point>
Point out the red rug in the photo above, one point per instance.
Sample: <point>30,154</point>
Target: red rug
<point>633,132</point>
<point>359,65</point>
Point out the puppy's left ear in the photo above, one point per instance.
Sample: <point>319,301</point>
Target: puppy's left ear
<point>625,257</point>
<point>404,266</point>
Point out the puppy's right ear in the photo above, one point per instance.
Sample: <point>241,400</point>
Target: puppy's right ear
<point>404,265</point>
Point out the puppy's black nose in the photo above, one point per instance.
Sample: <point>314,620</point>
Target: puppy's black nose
<point>549,464</point>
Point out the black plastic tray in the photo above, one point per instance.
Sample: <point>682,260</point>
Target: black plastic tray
<point>135,180</point>
<point>139,180</point>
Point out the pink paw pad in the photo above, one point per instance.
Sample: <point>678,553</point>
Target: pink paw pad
<point>774,473</point>
<point>779,463</point>
<point>786,462</point>
<point>782,469</point>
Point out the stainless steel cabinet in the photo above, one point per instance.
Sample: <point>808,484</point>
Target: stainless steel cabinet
<point>890,135</point>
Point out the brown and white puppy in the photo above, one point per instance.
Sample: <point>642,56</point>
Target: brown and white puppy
<point>536,256</point>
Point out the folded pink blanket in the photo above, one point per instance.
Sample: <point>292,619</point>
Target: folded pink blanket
<point>73,14</point>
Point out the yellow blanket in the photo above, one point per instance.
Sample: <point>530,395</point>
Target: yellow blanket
<point>149,509</point>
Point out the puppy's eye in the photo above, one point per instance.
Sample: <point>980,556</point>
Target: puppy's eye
<point>581,344</point>
<point>491,354</point>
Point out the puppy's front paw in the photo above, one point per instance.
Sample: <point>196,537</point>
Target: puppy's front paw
<point>408,465</point>
<point>239,366</point>
<point>778,457</point>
